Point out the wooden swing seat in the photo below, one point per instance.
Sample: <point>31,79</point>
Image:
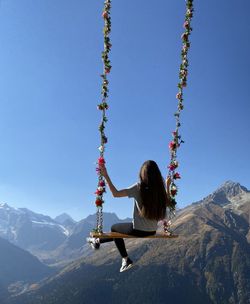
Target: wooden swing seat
<point>117,235</point>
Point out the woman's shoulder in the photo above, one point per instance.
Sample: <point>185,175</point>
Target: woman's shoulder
<point>133,190</point>
<point>134,185</point>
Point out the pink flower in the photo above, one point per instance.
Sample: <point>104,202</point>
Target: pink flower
<point>179,95</point>
<point>176,175</point>
<point>167,223</point>
<point>105,15</point>
<point>98,192</point>
<point>102,183</point>
<point>173,192</point>
<point>172,145</point>
<point>173,165</point>
<point>174,133</point>
<point>186,24</point>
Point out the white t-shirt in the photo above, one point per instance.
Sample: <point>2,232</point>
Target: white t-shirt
<point>140,222</point>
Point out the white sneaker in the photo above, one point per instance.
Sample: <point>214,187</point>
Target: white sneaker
<point>94,242</point>
<point>126,264</point>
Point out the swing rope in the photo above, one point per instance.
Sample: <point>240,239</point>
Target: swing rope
<point>103,107</point>
<point>176,137</point>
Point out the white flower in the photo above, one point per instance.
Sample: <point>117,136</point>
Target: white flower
<point>176,163</point>
<point>101,148</point>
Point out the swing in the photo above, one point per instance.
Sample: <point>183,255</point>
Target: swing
<point>173,145</point>
<point>117,235</point>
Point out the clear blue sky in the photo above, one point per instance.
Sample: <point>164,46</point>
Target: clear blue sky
<point>50,62</point>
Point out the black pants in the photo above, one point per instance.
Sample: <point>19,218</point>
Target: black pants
<point>126,228</point>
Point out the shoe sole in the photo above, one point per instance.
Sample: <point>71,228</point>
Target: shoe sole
<point>95,248</point>
<point>127,268</point>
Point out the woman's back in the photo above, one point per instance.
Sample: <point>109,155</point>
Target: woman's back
<point>139,221</point>
<point>154,198</point>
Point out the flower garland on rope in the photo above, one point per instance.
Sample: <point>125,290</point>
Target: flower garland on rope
<point>103,106</point>
<point>176,137</point>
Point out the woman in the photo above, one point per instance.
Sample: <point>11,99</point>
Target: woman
<point>150,202</point>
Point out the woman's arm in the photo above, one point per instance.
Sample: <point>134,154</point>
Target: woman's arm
<point>114,191</point>
<point>168,183</point>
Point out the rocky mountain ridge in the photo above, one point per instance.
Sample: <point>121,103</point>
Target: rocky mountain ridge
<point>53,241</point>
<point>230,194</point>
<point>28,229</point>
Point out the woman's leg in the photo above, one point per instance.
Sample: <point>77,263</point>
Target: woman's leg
<point>125,228</point>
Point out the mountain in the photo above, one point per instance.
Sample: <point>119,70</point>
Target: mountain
<point>73,246</point>
<point>53,241</point>
<point>18,269</point>
<point>64,218</point>
<point>30,230</point>
<point>229,194</point>
<point>208,263</point>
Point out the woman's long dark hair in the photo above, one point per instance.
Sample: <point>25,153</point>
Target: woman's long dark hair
<point>153,192</point>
